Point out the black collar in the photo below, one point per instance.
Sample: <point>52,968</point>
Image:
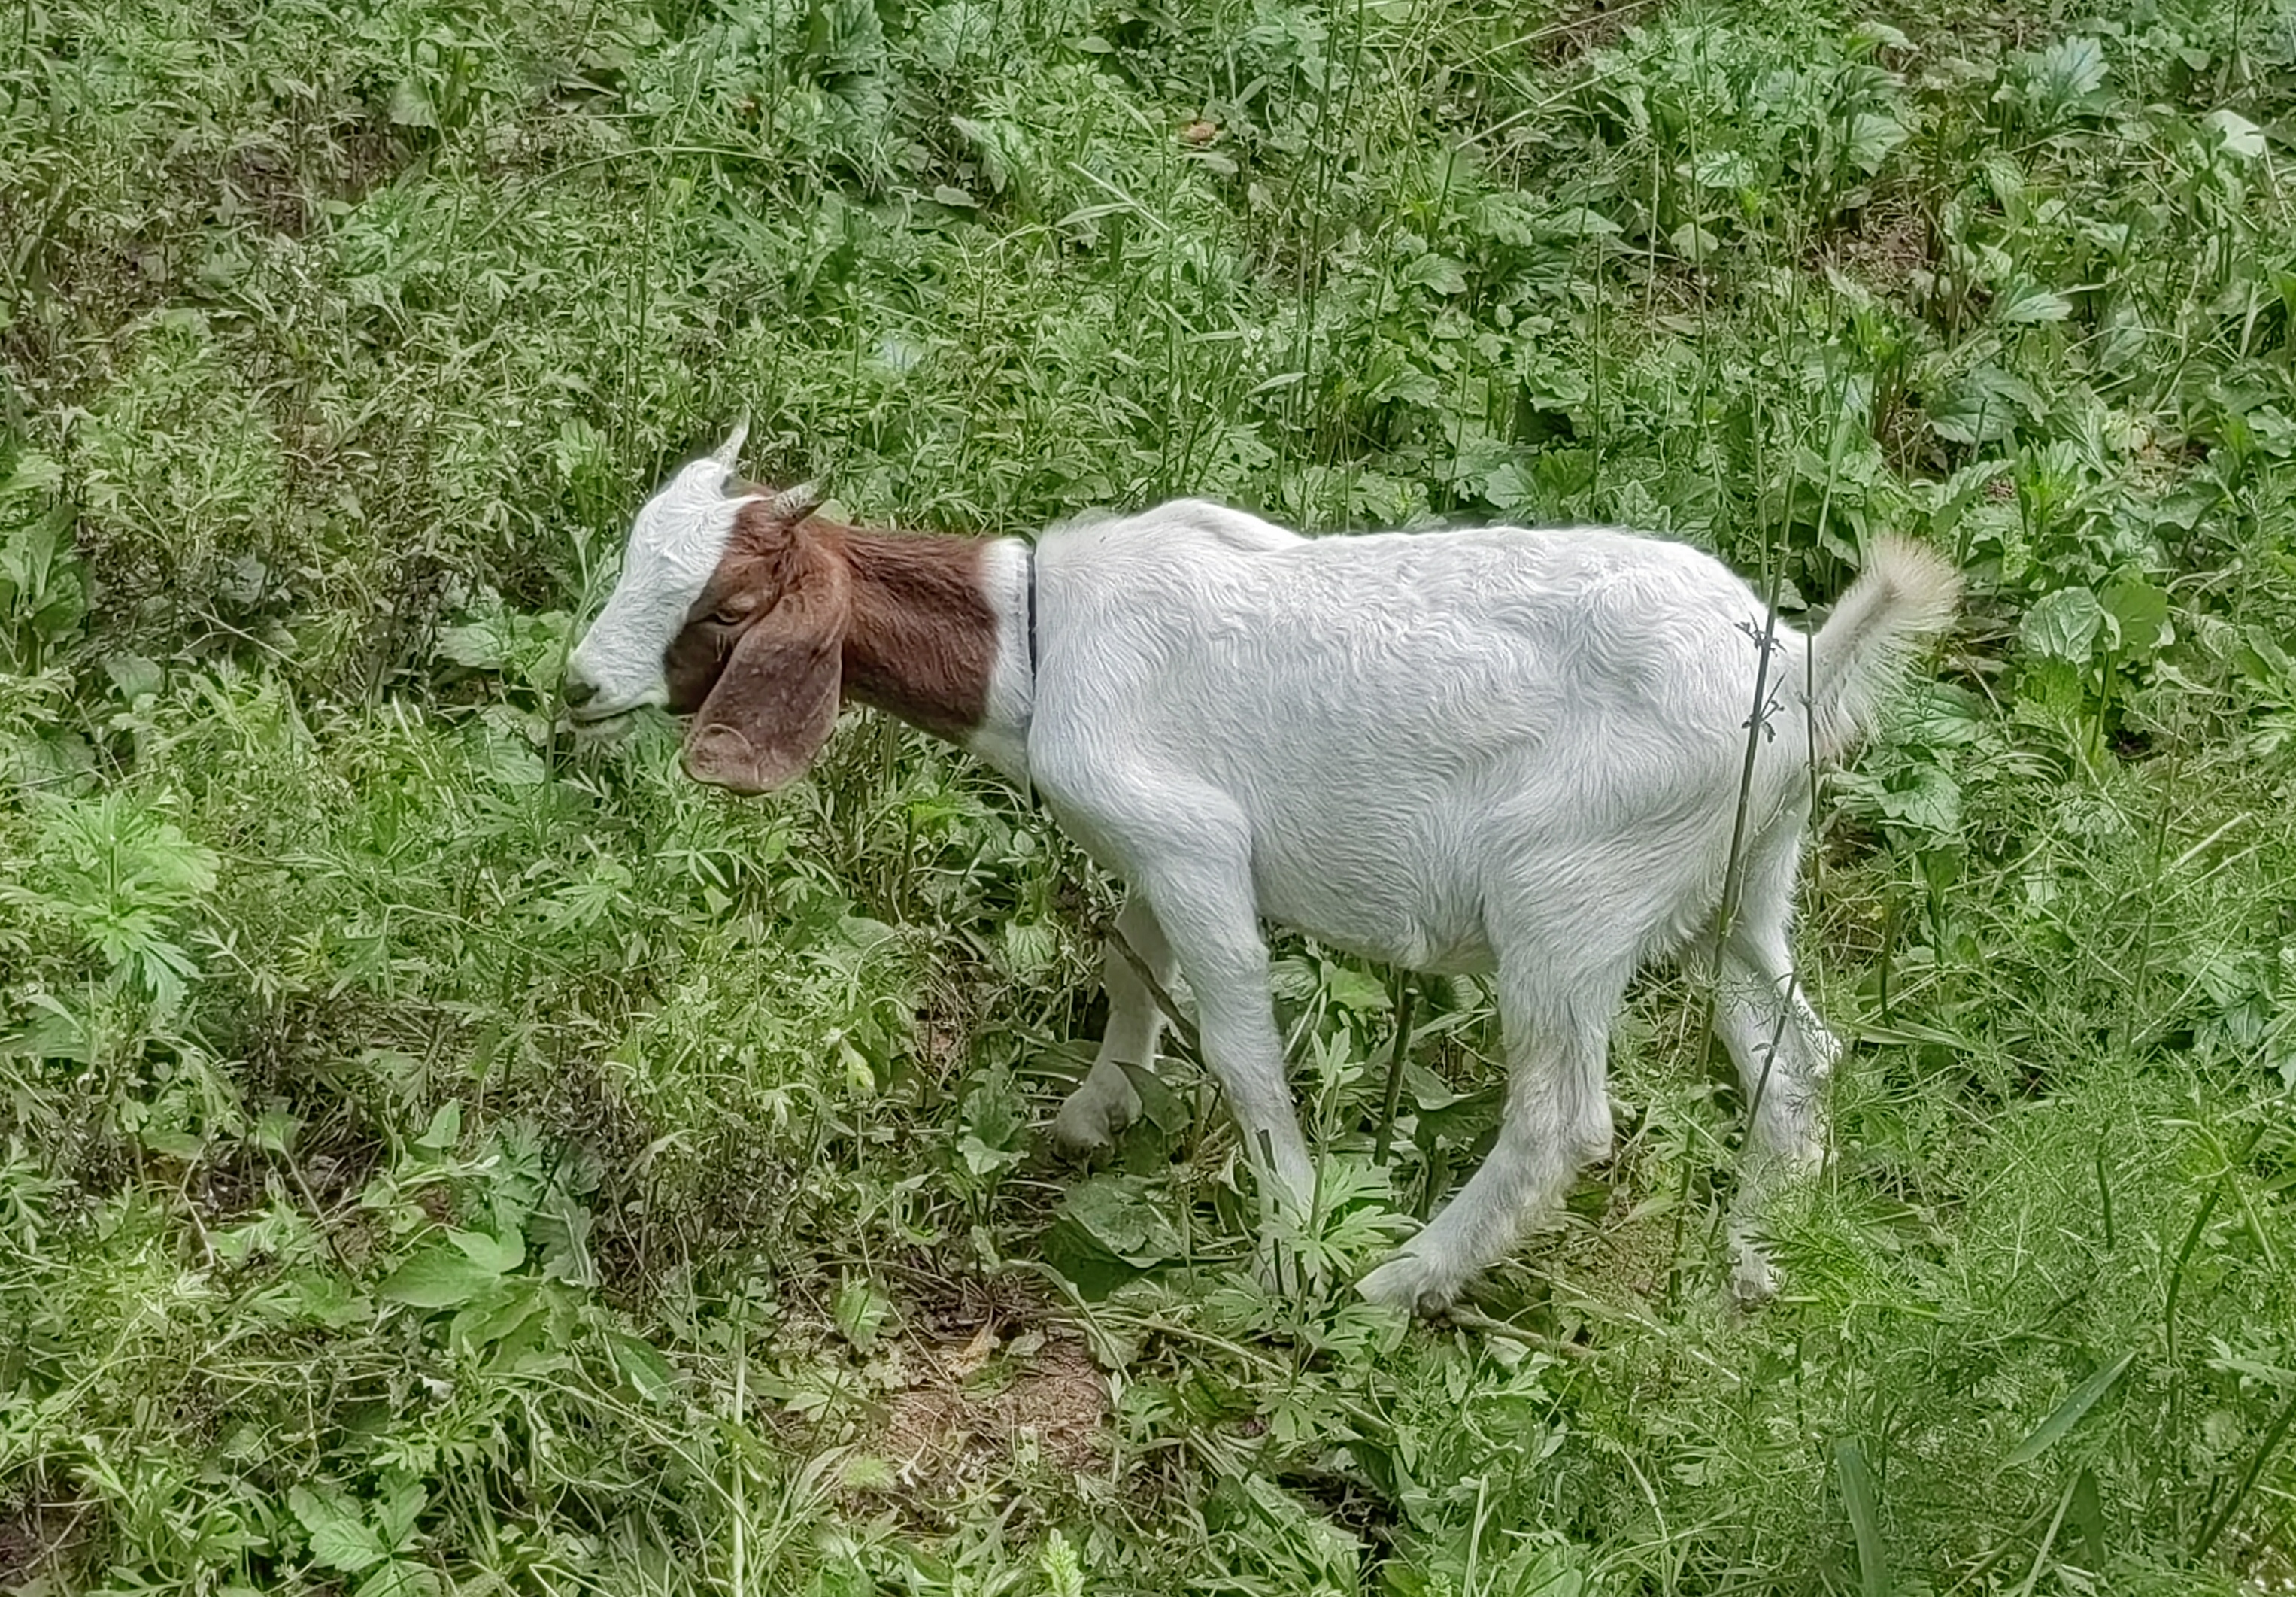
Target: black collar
<point>1032,622</point>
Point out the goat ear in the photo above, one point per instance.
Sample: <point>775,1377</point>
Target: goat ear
<point>729,453</point>
<point>776,702</point>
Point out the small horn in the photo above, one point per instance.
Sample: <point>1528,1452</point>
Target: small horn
<point>729,453</point>
<point>795,504</point>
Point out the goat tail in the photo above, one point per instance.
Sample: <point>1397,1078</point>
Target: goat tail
<point>1906,595</point>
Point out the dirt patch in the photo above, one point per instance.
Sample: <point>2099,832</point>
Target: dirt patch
<point>40,1544</point>
<point>986,1408</point>
<point>1580,27</point>
<point>262,182</point>
<point>1888,250</point>
<point>945,1025</point>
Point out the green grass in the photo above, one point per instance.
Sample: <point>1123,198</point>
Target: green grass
<point>438,1158</point>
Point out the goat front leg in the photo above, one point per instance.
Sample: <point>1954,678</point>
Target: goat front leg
<point>1105,1101</point>
<point>1205,908</point>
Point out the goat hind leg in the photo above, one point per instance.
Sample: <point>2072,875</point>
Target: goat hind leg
<point>1785,1055</point>
<point>1557,1119</point>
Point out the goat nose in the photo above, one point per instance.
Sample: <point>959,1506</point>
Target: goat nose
<point>580,691</point>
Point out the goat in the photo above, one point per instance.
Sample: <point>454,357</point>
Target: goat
<point>1487,750</point>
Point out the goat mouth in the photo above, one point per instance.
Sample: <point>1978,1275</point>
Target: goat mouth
<point>595,726</point>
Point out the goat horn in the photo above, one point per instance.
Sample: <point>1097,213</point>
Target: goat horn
<point>795,504</point>
<point>729,453</point>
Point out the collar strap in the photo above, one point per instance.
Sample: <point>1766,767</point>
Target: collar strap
<point>1032,621</point>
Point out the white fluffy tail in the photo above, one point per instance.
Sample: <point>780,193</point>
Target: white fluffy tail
<point>1906,595</point>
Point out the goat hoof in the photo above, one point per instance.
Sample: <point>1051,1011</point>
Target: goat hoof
<point>1412,1283</point>
<point>1090,1122</point>
<point>1753,1280</point>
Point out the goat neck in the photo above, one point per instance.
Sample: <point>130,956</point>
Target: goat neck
<point>938,635</point>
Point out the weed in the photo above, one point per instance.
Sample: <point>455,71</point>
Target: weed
<point>437,1157</point>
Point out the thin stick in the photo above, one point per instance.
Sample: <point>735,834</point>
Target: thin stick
<point>1395,1067</point>
<point>1467,1319</point>
<point>1164,1000</point>
<point>2264,1451</point>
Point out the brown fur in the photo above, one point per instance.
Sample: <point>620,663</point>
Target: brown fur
<point>802,612</point>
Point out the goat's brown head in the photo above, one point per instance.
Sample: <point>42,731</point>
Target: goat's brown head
<point>727,611</point>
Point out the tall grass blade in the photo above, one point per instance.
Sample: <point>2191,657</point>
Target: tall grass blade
<point>2087,1515</point>
<point>1857,1482</point>
<point>2076,1403</point>
<point>2265,1449</point>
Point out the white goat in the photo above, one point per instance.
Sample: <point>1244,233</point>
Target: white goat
<point>1495,750</point>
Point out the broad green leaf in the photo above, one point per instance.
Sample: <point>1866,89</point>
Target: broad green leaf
<point>178,1145</point>
<point>445,1129</point>
<point>2140,613</point>
<point>1861,40</point>
<point>1509,490</point>
<point>1357,990</point>
<point>2266,662</point>
<point>1725,170</point>
<point>410,107</point>
<point>2242,136</point>
<point>1931,799</point>
<point>860,1310</point>
<point>642,1366</point>
<point>328,1300</point>
<point>484,1324</point>
<point>1160,1106</point>
<point>1108,1229</point>
<point>1029,947</point>
<point>2028,302</point>
<point>2066,73</point>
<point>1439,272</point>
<point>1981,405</point>
<point>397,1509</point>
<point>1872,135</point>
<point>2064,625</point>
<point>439,1278</point>
<point>981,1159</point>
<point>134,676</point>
<point>497,1255</point>
<point>1576,221</point>
<point>400,1577</point>
<point>511,761</point>
<point>33,473</point>
<point>341,1538</point>
<point>1693,242</point>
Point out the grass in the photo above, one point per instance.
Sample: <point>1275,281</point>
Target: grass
<point>440,1159</point>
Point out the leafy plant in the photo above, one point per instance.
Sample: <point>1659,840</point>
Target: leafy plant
<point>441,1155</point>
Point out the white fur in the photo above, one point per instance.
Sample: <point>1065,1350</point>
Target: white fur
<point>675,545</point>
<point>1003,737</point>
<point>1495,750</point>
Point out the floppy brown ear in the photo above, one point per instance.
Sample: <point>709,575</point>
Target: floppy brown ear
<point>776,702</point>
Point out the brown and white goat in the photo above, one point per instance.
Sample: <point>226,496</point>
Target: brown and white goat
<point>1503,750</point>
